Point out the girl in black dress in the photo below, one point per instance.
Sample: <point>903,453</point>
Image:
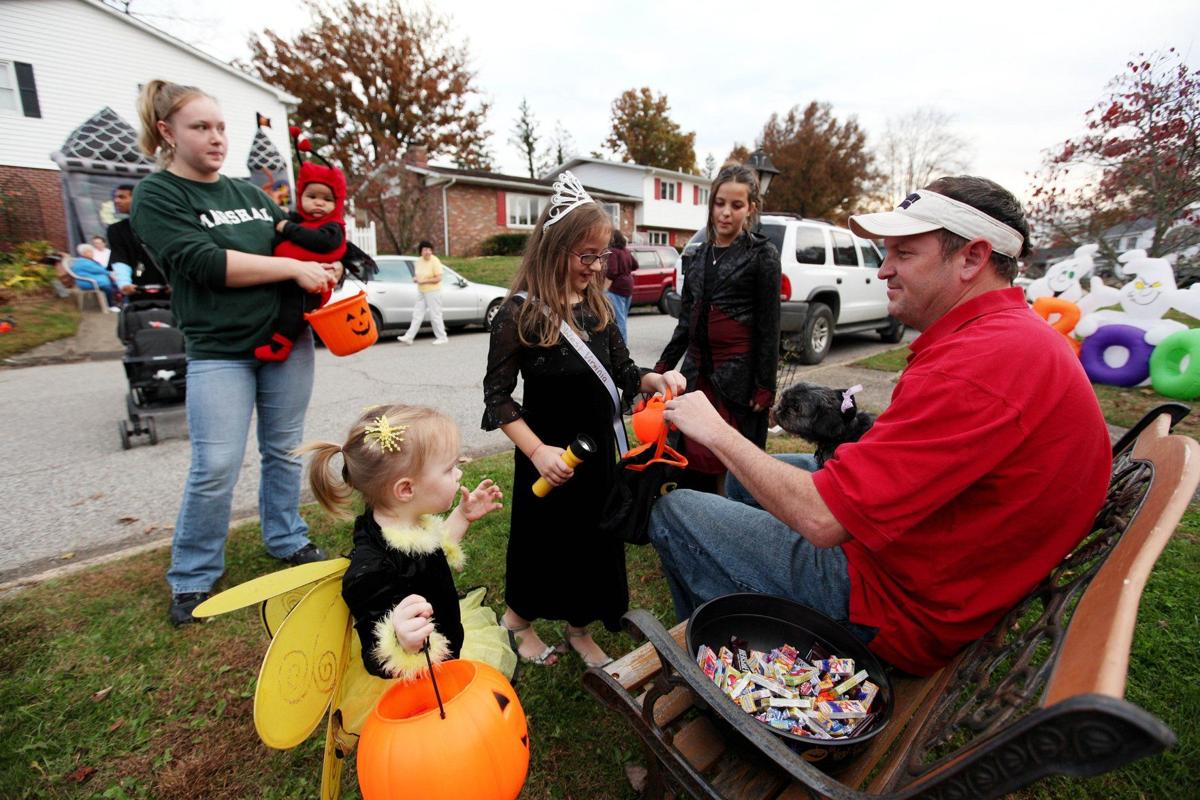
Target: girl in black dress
<point>403,460</point>
<point>728,330</point>
<point>559,565</point>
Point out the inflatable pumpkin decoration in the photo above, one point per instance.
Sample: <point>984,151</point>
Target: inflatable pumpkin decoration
<point>474,744</point>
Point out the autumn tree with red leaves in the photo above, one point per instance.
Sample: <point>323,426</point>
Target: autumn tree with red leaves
<point>373,78</point>
<point>644,134</point>
<point>1139,159</point>
<point>825,168</point>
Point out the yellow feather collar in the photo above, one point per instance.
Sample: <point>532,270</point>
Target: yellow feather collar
<point>427,537</point>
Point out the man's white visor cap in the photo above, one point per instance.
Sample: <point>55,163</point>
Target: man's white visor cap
<point>924,211</point>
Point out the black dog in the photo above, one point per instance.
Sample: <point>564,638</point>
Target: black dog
<point>815,413</point>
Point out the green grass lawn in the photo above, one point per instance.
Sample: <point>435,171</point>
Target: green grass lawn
<point>101,698</point>
<point>38,319</point>
<point>496,270</point>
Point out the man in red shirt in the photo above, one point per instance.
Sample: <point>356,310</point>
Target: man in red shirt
<point>986,469</point>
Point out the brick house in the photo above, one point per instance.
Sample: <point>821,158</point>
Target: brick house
<point>673,205</point>
<point>52,89</point>
<point>464,207</point>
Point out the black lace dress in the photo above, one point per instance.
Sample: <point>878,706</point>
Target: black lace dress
<point>560,566</point>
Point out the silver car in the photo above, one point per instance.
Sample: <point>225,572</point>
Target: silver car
<point>392,293</point>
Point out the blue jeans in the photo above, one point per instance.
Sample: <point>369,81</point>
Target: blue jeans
<point>712,546</point>
<point>621,310</point>
<point>220,398</point>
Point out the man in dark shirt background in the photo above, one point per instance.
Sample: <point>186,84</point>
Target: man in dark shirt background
<point>131,266</point>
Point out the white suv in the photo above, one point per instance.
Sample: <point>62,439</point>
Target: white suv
<point>829,285</point>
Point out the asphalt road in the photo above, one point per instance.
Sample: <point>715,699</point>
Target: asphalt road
<point>71,492</point>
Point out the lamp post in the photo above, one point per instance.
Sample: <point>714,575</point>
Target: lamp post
<point>760,162</point>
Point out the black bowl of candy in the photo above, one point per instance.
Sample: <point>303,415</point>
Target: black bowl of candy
<point>797,672</point>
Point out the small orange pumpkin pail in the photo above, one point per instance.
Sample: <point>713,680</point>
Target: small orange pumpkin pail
<point>345,326</point>
<point>479,749</point>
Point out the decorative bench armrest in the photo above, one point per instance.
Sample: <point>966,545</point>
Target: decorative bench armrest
<point>1082,736</point>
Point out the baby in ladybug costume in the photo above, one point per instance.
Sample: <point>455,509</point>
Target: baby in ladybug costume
<point>315,231</point>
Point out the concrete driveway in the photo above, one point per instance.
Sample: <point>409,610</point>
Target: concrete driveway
<point>71,492</point>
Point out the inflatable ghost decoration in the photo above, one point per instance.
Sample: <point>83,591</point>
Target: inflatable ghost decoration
<point>1064,279</point>
<point>1144,300</point>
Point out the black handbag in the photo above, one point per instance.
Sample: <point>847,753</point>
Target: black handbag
<point>626,513</point>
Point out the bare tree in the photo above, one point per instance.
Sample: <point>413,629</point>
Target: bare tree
<point>525,136</point>
<point>916,148</point>
<point>710,166</point>
<point>560,149</point>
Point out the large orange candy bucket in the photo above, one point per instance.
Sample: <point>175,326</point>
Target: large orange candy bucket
<point>345,326</point>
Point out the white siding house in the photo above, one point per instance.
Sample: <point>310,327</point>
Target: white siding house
<point>68,59</point>
<point>674,204</point>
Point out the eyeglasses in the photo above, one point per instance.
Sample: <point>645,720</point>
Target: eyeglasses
<point>587,259</point>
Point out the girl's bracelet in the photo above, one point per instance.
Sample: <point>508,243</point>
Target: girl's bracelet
<point>534,453</point>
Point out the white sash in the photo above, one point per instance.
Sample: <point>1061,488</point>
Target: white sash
<point>618,424</point>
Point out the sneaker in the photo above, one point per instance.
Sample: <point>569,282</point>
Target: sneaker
<point>306,555</point>
<point>182,605</point>
<point>403,340</point>
<point>441,341</point>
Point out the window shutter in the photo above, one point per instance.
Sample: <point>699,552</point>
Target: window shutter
<point>695,195</point>
<point>27,89</point>
<point>501,210</point>
<point>671,239</point>
<point>679,191</point>
<point>657,189</point>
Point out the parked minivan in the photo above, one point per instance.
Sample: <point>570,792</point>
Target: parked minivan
<point>829,284</point>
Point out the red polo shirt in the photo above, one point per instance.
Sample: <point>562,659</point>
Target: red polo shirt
<point>985,470</point>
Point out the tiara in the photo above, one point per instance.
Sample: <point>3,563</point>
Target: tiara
<point>569,195</point>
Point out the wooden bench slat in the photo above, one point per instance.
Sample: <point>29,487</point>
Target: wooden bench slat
<point>635,668</point>
<point>742,777</point>
<point>670,706</point>
<point>700,743</point>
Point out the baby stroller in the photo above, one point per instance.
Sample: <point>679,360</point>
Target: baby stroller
<point>155,362</point>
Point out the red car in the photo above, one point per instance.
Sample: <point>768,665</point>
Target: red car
<point>654,274</point>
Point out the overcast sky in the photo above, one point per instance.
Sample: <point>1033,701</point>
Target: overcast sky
<point>1017,76</point>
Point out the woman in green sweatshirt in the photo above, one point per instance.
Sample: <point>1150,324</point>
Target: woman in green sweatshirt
<point>212,236</point>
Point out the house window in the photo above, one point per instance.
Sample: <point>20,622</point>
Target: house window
<point>657,237</point>
<point>1131,243</point>
<point>523,209</point>
<point>614,211</point>
<point>702,198</point>
<point>668,193</point>
<point>9,101</point>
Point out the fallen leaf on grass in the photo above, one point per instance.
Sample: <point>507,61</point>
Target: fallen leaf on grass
<point>127,520</point>
<point>119,723</point>
<point>67,556</point>
<point>82,774</point>
<point>100,695</point>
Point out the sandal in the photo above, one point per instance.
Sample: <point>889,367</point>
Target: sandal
<point>546,658</point>
<point>570,634</point>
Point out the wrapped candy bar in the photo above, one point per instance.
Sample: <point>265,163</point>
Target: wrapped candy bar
<point>842,709</point>
<point>836,666</point>
<point>851,682</point>
<point>708,662</point>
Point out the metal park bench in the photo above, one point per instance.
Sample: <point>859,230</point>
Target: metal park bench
<point>1041,694</point>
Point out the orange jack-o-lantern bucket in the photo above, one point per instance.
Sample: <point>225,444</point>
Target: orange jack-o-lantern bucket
<point>480,749</point>
<point>345,326</point>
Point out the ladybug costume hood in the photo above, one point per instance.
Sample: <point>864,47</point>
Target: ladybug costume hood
<point>329,176</point>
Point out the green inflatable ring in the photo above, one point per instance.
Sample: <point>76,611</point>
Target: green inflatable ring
<point>1165,373</point>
